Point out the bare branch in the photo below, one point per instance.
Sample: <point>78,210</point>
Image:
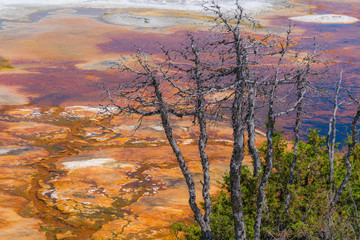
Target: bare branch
<point>331,136</point>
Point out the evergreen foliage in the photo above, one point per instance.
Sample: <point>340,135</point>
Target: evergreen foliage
<point>308,216</point>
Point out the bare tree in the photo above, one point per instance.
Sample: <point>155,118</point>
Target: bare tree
<point>145,96</point>
<point>330,141</point>
<point>250,121</point>
<point>196,73</point>
<point>331,136</point>
<point>303,84</point>
<point>180,84</point>
<point>269,135</point>
<point>241,51</point>
<point>244,54</point>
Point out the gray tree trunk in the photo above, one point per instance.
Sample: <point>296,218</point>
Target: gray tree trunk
<point>205,226</point>
<point>251,132</point>
<point>270,149</point>
<point>269,164</point>
<point>299,111</point>
<point>331,136</point>
<point>200,113</point>
<point>236,164</point>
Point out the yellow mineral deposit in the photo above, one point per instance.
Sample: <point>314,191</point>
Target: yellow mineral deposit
<point>67,183</point>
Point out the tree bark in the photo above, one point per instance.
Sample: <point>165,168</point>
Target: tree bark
<point>269,135</point>
<point>237,109</point>
<point>205,166</point>
<point>299,111</point>
<point>236,164</point>
<point>200,113</point>
<point>331,136</point>
<point>205,226</point>
<point>269,164</point>
<point>238,125</point>
<point>251,132</point>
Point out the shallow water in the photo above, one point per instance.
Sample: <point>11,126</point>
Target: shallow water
<point>339,42</point>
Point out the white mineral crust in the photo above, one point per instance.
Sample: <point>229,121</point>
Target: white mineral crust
<point>325,18</point>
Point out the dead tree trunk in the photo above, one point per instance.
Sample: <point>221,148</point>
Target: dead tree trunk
<point>250,120</point>
<point>193,74</point>
<point>299,111</point>
<point>238,125</point>
<point>237,110</point>
<point>200,114</point>
<point>145,96</point>
<point>236,164</point>
<point>269,164</point>
<point>204,225</point>
<point>302,84</point>
<point>346,159</point>
<point>331,136</point>
<point>269,135</point>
